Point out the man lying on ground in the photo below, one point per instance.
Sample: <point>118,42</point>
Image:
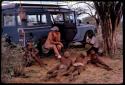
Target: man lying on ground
<point>32,53</point>
<point>78,66</point>
<point>61,68</point>
<point>92,40</point>
<point>94,59</point>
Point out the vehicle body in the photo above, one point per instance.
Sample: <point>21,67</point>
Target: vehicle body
<point>40,19</point>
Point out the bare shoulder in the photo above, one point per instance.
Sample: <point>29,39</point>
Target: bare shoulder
<point>49,33</point>
<point>58,32</point>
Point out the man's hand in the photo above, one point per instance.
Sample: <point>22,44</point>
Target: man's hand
<point>53,42</point>
<point>59,43</point>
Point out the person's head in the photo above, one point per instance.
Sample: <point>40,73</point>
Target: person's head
<point>83,54</point>
<point>92,52</point>
<point>90,34</point>
<point>54,28</point>
<point>66,54</point>
<point>29,44</point>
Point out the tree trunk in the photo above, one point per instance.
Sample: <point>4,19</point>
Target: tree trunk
<point>110,14</point>
<point>97,26</point>
<point>107,36</point>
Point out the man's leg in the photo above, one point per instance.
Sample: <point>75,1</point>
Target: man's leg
<point>56,51</point>
<point>52,75</point>
<point>53,69</point>
<point>59,47</point>
<point>37,59</point>
<point>103,64</point>
<point>68,71</point>
<point>73,75</point>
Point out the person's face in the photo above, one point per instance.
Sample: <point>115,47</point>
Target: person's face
<point>88,35</point>
<point>30,45</point>
<point>82,56</point>
<point>92,52</point>
<point>66,56</point>
<point>54,31</point>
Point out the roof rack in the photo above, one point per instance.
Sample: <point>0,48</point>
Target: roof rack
<point>12,5</point>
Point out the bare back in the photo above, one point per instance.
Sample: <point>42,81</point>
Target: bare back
<point>79,59</point>
<point>52,37</point>
<point>66,61</point>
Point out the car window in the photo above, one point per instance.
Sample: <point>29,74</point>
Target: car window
<point>36,19</point>
<point>33,20</point>
<point>9,20</point>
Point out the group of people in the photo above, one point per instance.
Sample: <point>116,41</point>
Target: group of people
<point>72,69</point>
<point>53,42</point>
<point>67,67</point>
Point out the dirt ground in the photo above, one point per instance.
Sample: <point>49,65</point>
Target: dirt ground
<point>92,74</point>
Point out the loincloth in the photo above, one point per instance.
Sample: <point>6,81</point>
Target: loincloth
<point>62,66</point>
<point>78,64</point>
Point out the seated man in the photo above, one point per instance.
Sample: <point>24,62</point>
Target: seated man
<point>53,42</point>
<point>92,40</point>
<point>94,59</point>
<point>31,52</point>
<point>78,66</point>
<point>60,69</point>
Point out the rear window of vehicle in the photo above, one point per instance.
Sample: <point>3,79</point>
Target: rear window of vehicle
<point>9,20</point>
<point>34,20</point>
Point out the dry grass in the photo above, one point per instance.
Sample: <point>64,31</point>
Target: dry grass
<point>11,62</point>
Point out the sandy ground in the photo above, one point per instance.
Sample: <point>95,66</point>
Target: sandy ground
<point>92,74</point>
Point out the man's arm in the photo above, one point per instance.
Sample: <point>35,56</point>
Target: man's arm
<point>51,38</point>
<point>59,38</point>
<point>90,44</point>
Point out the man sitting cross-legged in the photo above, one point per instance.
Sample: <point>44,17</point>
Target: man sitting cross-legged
<point>61,68</point>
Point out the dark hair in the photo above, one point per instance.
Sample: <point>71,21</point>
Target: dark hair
<point>91,34</point>
<point>55,25</point>
<point>28,41</point>
<point>82,56</point>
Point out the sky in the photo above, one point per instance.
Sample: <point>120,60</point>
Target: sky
<point>70,3</point>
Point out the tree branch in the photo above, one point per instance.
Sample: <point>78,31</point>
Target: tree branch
<point>90,10</point>
<point>89,5</point>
